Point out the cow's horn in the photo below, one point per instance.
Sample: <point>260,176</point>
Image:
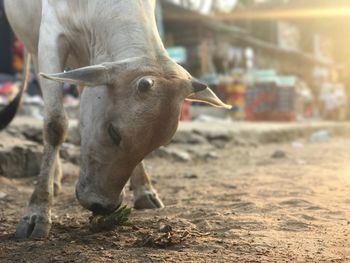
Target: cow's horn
<point>202,93</point>
<point>87,76</point>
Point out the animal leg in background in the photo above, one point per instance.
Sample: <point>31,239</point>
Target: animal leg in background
<point>145,196</point>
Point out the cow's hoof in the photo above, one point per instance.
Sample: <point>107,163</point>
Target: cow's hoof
<point>33,227</point>
<point>148,201</point>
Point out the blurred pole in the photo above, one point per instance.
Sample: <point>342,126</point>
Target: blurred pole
<point>203,54</point>
<point>6,43</point>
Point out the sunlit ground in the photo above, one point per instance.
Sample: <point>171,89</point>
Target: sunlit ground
<point>243,207</point>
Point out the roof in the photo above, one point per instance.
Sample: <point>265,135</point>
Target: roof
<point>177,13</point>
<point>173,12</point>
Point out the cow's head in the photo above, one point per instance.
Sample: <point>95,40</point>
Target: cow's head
<point>128,109</point>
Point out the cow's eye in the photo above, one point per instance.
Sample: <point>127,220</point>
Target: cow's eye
<point>114,134</point>
<point>145,84</point>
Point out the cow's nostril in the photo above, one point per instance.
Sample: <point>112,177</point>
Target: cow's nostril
<point>114,134</point>
<point>99,209</point>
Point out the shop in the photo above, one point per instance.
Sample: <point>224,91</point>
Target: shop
<point>233,60</point>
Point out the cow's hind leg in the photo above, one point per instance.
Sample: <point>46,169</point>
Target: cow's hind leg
<point>36,222</point>
<point>145,196</point>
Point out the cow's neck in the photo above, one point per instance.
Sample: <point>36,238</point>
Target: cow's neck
<point>124,34</point>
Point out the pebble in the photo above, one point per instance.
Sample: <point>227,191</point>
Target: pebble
<point>279,154</point>
<point>2,195</point>
<point>191,176</point>
<point>165,229</point>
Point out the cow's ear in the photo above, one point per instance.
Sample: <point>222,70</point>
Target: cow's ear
<point>97,75</point>
<point>87,76</point>
<point>202,93</point>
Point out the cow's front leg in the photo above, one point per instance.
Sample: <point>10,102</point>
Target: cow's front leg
<point>58,167</point>
<point>145,196</point>
<point>36,222</point>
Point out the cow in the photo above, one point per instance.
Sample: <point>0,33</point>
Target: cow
<point>131,96</point>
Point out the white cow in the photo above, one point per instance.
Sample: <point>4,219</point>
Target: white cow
<point>130,102</point>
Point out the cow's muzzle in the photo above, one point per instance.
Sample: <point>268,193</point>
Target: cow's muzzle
<point>99,205</point>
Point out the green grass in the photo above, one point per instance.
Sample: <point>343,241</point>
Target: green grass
<point>108,222</point>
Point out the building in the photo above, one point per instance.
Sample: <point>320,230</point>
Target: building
<point>278,44</point>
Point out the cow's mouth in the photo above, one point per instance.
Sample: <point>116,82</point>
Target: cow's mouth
<point>98,209</point>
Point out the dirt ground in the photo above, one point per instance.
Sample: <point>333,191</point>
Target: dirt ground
<point>243,207</point>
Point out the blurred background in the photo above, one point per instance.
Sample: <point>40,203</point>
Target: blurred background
<point>273,60</point>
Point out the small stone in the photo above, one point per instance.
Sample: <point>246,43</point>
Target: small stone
<point>210,156</point>
<point>196,139</point>
<point>2,195</point>
<point>191,176</point>
<point>20,161</point>
<point>189,137</point>
<point>279,154</point>
<point>165,229</point>
<point>181,156</point>
<point>160,153</point>
<point>301,162</point>
<point>181,136</point>
<point>217,134</point>
<point>174,153</point>
<point>218,143</point>
<point>33,134</point>
<point>135,228</point>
